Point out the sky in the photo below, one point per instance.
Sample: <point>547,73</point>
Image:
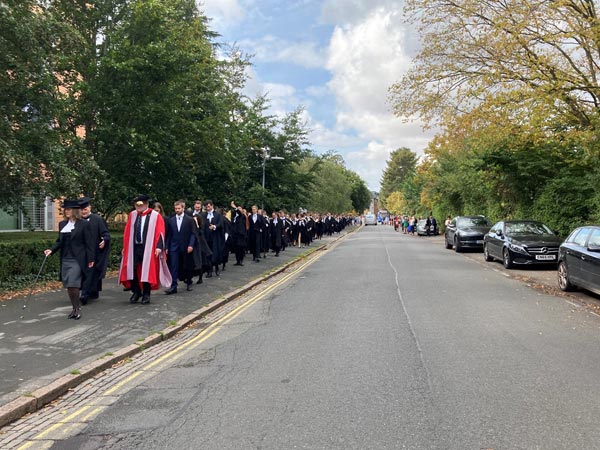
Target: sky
<point>335,58</point>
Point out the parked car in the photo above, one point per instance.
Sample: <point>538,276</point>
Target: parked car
<point>521,242</point>
<point>466,232</point>
<point>579,260</point>
<point>370,219</point>
<point>422,227</point>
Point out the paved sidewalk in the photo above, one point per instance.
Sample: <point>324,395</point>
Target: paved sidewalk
<point>39,344</point>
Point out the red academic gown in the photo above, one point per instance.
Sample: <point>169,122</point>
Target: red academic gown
<point>154,268</point>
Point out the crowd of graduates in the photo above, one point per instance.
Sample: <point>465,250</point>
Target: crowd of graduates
<point>162,249</point>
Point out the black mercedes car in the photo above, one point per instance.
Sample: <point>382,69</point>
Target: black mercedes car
<point>466,232</point>
<point>521,242</point>
<point>579,260</point>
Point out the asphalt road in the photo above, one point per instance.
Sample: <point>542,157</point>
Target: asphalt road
<point>386,342</point>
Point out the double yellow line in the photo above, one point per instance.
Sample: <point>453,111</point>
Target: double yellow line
<point>203,336</point>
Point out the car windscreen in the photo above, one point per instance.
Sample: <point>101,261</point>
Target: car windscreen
<point>527,228</point>
<point>466,222</point>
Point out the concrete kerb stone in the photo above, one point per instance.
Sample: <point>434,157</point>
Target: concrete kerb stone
<point>16,409</point>
<point>48,393</point>
<point>27,404</point>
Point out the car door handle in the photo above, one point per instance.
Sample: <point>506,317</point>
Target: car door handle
<point>583,258</point>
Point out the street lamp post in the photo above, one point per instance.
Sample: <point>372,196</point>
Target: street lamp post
<point>266,156</point>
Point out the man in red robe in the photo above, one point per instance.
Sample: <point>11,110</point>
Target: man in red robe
<point>143,267</point>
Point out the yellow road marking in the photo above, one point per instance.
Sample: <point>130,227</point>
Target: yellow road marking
<point>203,336</point>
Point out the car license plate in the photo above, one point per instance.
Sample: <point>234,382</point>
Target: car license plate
<point>545,257</point>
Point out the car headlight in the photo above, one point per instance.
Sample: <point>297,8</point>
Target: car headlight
<point>517,249</point>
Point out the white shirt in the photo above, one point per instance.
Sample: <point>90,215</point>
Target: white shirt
<point>179,220</point>
<point>68,227</point>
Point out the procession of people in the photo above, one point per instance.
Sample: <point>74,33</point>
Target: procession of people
<point>191,243</point>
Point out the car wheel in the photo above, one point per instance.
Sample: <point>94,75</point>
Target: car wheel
<point>486,254</point>
<point>457,247</point>
<point>448,245</point>
<point>507,259</point>
<point>563,277</point>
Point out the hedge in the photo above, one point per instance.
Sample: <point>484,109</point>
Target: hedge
<point>23,254</point>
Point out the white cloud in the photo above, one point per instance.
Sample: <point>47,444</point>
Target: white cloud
<point>272,49</point>
<point>367,54</point>
<point>223,13</point>
<point>365,59</point>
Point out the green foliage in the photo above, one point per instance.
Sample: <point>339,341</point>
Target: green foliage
<point>142,100</point>
<point>398,172</point>
<point>334,189</point>
<point>35,157</point>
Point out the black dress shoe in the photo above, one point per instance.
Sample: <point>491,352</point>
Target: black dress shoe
<point>189,287</point>
<point>169,291</point>
<point>217,273</point>
<point>77,315</point>
<point>145,299</point>
<point>134,297</point>
<point>72,314</point>
<point>199,281</point>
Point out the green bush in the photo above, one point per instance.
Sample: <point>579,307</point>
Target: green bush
<point>23,254</point>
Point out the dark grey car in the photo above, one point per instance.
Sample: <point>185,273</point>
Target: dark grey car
<point>579,260</point>
<point>466,232</point>
<point>521,242</point>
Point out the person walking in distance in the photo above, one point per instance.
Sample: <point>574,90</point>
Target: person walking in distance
<point>215,236</point>
<point>255,233</point>
<point>142,267</point>
<point>239,233</point>
<point>77,252</point>
<point>93,276</point>
<point>276,228</point>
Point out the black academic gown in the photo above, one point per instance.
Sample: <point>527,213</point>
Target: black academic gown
<point>215,238</point>
<point>92,283</point>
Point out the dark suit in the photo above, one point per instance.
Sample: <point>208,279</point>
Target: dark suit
<point>92,283</point>
<point>181,263</point>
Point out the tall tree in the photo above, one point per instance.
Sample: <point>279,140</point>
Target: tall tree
<point>399,168</point>
<point>536,59</point>
<point>35,156</point>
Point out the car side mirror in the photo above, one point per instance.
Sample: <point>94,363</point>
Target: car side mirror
<point>594,248</point>
<point>499,233</point>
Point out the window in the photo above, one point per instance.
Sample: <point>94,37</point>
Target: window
<point>581,237</point>
<point>594,238</point>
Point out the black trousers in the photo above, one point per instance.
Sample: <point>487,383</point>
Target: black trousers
<point>240,252</point>
<point>138,258</point>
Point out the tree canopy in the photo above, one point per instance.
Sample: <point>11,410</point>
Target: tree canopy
<point>113,98</point>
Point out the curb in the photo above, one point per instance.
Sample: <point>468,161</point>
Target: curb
<point>26,404</point>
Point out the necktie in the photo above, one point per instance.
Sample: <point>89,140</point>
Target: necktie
<point>138,229</point>
<point>179,223</point>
